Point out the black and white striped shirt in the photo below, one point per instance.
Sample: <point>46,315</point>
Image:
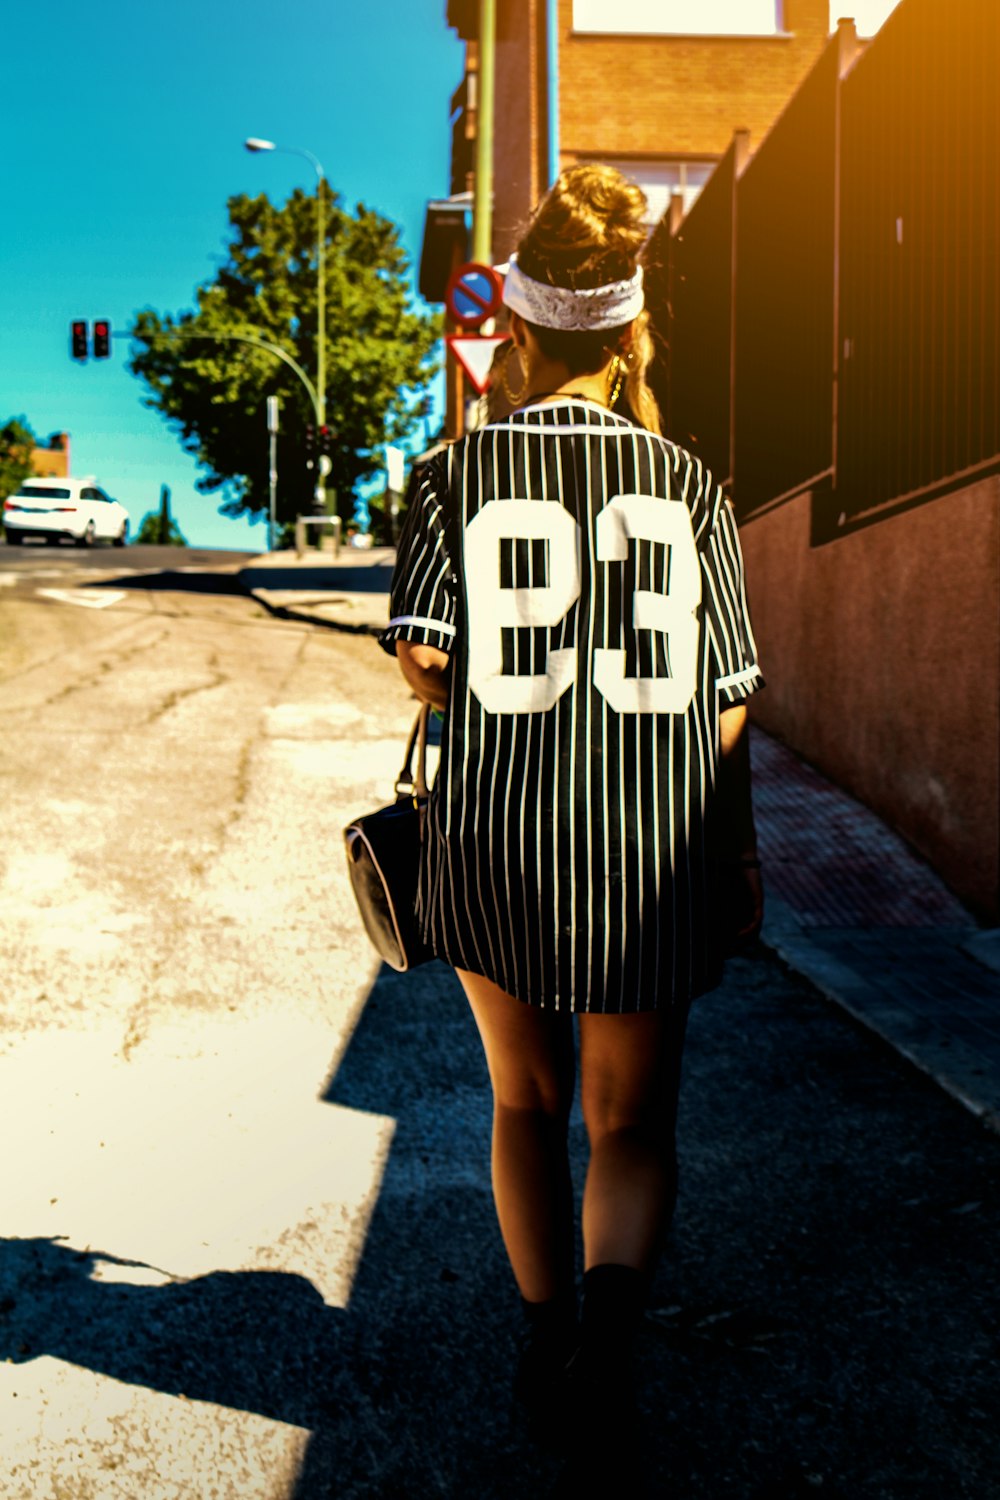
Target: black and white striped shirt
<point>586,578</point>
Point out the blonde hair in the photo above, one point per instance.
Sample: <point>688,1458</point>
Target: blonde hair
<point>588,230</point>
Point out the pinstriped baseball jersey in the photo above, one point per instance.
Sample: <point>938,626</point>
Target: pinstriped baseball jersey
<point>586,578</point>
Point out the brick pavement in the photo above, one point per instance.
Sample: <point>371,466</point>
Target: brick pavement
<point>852,907</point>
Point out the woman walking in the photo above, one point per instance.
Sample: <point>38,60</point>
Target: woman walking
<point>569,593</point>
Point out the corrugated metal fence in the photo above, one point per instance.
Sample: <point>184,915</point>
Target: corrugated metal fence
<point>827,313</point>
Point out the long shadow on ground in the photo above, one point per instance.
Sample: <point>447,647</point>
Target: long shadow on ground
<point>826,1319</point>
<point>375,579</point>
<point>327,582</point>
<point>826,1322</point>
<point>174,581</point>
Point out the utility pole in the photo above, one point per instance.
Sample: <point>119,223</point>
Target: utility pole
<point>482,198</point>
<point>272,469</point>
<point>255,143</point>
<point>165,528</point>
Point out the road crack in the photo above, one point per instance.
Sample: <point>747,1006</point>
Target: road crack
<point>180,695</point>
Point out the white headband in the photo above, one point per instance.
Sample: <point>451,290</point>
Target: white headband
<point>590,308</point>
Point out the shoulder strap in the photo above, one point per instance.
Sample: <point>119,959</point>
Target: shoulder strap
<point>409,784</point>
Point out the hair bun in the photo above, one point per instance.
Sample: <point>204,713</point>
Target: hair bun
<point>588,230</point>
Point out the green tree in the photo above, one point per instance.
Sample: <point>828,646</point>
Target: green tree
<point>379,353</point>
<point>158,527</point>
<point>16,443</point>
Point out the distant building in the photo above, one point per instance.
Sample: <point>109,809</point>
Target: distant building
<point>51,460</point>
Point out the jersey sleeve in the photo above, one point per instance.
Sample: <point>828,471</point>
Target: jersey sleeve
<point>727,618</point>
<point>424,586</point>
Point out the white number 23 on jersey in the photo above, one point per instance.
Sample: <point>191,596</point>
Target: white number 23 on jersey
<point>491,608</point>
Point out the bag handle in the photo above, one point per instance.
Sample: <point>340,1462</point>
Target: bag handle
<point>408,784</point>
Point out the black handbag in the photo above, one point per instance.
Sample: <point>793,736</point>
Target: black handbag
<point>383,860</point>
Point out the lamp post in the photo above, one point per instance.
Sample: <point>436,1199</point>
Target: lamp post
<point>254,143</point>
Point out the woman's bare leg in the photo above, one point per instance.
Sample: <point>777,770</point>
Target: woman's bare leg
<point>529,1054</point>
<point>630,1074</point>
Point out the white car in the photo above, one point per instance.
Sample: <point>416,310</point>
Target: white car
<point>57,508</point>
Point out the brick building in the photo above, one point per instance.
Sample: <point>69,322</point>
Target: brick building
<point>602,80</point>
<point>586,80</point>
<point>51,460</point>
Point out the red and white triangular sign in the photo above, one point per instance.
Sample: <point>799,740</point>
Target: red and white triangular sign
<point>474,353</point>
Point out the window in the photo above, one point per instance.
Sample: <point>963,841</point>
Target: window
<point>680,17</point>
<point>43,492</point>
<point>660,179</point>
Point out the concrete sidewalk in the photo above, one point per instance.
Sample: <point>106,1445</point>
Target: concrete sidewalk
<point>853,908</point>
<point>849,905</point>
<point>349,591</point>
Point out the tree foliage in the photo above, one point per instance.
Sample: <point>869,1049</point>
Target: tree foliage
<point>16,443</point>
<point>158,527</point>
<point>214,391</point>
<point>150,532</point>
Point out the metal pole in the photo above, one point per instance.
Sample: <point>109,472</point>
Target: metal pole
<point>272,469</point>
<point>552,85</point>
<point>482,200</point>
<point>272,492</point>
<point>320,490</point>
<point>256,144</point>
<point>321,296</point>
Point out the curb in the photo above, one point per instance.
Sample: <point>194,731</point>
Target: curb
<point>948,1061</point>
<point>350,614</point>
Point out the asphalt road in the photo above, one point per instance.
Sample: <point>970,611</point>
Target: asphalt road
<point>33,554</point>
<point>248,1242</point>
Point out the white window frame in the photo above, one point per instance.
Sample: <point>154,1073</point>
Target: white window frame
<point>636,18</point>
<point>645,170</point>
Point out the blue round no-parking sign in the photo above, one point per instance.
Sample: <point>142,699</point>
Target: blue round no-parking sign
<point>474,293</point>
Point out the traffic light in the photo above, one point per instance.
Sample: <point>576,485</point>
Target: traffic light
<point>310,445</point>
<point>78,338</point>
<point>325,441</point>
<point>102,339</point>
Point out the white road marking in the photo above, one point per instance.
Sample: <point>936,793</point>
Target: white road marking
<point>86,600</point>
<point>256,1171</point>
<point>89,1434</point>
<point>194,1140</point>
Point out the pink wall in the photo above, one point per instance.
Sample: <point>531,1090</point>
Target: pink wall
<point>882,656</point>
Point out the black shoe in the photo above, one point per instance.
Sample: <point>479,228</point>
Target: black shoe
<point>540,1384</point>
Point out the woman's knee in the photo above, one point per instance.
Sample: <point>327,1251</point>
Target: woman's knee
<point>629,1079</point>
<point>546,1090</point>
<point>607,1112</point>
<point>529,1055</point>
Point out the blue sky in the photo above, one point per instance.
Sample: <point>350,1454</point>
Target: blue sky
<point>124,125</point>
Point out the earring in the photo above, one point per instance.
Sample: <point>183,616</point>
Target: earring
<point>616,377</point>
<point>515,397</point>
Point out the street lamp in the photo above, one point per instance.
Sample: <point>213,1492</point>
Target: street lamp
<point>254,143</point>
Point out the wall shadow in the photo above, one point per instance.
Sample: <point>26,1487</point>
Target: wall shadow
<point>366,578</point>
<point>171,580</point>
<point>433,1317</point>
<point>406,1391</point>
<point>253,1340</point>
<point>373,579</point>
<point>834,1243</point>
